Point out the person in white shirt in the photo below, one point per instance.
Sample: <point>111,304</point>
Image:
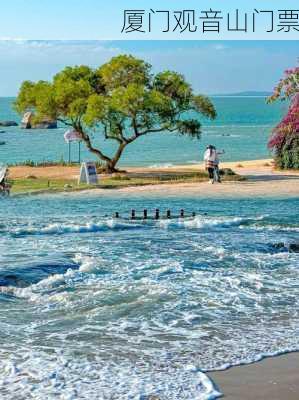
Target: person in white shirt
<point>210,162</point>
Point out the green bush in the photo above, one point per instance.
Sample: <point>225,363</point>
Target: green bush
<point>226,172</point>
<point>288,157</point>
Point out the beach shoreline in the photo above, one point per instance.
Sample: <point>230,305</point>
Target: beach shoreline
<point>274,378</point>
<point>259,179</point>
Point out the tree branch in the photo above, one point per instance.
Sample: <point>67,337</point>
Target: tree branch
<point>65,122</point>
<point>86,139</point>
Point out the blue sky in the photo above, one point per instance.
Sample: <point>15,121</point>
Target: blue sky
<point>211,67</point>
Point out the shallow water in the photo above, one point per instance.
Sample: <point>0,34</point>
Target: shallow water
<point>242,129</point>
<point>130,310</point>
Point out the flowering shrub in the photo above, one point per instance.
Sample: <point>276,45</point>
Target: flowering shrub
<point>284,141</point>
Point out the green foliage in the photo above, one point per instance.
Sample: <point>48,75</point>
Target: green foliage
<point>123,70</point>
<point>203,105</point>
<point>288,156</point>
<point>189,127</point>
<point>121,100</point>
<point>227,172</point>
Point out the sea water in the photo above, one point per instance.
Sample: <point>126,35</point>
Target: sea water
<point>98,308</point>
<point>242,129</point>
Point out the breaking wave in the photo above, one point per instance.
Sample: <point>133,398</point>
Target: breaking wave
<point>106,309</point>
<point>199,222</point>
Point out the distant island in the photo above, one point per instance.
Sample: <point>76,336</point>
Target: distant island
<point>244,94</point>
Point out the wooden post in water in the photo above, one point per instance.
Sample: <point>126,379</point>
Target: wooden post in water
<point>144,214</point>
<point>157,214</point>
<point>182,213</point>
<point>117,214</point>
<point>168,214</point>
<point>133,214</point>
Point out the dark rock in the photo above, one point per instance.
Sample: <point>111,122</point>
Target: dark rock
<point>278,245</point>
<point>8,123</point>
<point>32,273</point>
<point>28,122</point>
<point>45,125</point>
<point>294,247</point>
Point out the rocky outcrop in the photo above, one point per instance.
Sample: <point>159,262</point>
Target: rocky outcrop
<point>28,122</point>
<point>8,123</point>
<point>291,247</point>
<point>46,124</point>
<point>294,247</point>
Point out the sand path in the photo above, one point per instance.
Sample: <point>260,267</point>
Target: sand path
<point>261,180</point>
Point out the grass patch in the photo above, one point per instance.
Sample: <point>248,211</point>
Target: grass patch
<point>33,184</point>
<point>44,185</point>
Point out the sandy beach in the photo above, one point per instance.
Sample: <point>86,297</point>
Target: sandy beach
<point>261,180</point>
<point>271,379</point>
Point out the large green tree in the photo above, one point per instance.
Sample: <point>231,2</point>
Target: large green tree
<point>121,100</point>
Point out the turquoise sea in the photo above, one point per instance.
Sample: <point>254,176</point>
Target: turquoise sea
<point>241,129</point>
<point>103,309</point>
<point>98,308</point>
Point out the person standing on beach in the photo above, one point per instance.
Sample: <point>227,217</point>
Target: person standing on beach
<point>210,162</point>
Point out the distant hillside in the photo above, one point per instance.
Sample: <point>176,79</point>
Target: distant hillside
<point>245,94</point>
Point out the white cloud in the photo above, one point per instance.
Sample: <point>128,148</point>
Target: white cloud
<point>210,67</point>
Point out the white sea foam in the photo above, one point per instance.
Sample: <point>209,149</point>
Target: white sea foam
<point>59,375</point>
<point>162,165</point>
<point>275,227</point>
<point>199,222</point>
<point>145,303</point>
<point>38,292</point>
<point>61,229</point>
<point>203,222</point>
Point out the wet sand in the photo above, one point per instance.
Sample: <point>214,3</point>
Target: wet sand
<point>275,378</point>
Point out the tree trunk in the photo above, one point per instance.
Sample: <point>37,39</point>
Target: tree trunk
<point>111,164</point>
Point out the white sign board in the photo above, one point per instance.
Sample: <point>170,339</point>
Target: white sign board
<point>3,172</point>
<point>88,173</point>
<point>72,136</point>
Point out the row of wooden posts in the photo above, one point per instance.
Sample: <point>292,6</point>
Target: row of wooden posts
<point>157,215</point>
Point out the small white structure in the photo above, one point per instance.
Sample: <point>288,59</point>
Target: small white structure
<point>73,136</point>
<point>3,172</point>
<point>88,173</point>
<point>27,120</point>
